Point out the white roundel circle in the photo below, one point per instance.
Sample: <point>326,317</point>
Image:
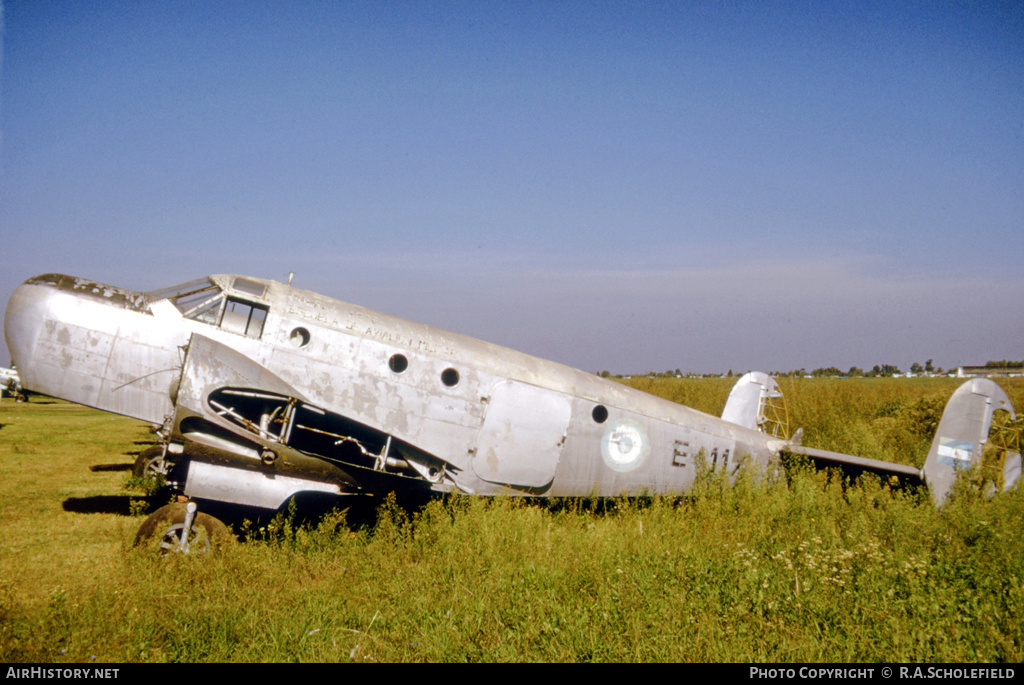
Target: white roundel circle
<point>625,445</point>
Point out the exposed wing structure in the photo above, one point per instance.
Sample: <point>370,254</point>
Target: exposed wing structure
<point>248,437</point>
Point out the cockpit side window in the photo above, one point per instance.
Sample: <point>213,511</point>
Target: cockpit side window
<point>244,318</point>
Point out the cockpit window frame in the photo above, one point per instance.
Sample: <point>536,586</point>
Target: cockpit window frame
<point>180,290</point>
<point>205,301</point>
<point>209,311</point>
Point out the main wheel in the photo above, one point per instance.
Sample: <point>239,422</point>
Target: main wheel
<point>164,530</point>
<point>149,464</point>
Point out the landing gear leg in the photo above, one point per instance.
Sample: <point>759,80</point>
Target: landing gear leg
<point>180,529</point>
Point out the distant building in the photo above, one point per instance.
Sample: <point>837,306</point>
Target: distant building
<point>983,371</point>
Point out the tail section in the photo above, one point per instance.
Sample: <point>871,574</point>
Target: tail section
<point>963,435</point>
<point>965,438</point>
<point>756,402</point>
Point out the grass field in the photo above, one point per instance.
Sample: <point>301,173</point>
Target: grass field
<point>801,568</point>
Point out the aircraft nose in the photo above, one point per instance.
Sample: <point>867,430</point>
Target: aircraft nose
<point>23,321</point>
<point>93,344</point>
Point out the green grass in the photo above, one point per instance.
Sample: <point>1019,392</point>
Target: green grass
<point>802,567</point>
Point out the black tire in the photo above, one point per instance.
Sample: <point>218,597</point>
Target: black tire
<point>163,531</point>
<point>147,463</point>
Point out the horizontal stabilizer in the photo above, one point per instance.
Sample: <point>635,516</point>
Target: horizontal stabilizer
<point>825,458</point>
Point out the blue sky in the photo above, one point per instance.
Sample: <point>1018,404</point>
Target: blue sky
<point>628,186</point>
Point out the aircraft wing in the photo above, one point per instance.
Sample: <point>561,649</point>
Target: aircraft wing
<point>826,458</point>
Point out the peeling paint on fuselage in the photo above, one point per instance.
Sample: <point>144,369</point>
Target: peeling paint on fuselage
<point>119,297</point>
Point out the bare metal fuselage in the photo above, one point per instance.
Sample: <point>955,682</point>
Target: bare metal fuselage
<point>275,387</point>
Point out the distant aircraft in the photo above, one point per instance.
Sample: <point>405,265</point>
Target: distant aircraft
<point>262,391</point>
<point>11,384</point>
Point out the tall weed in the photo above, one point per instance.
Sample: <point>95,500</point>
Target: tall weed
<point>794,565</point>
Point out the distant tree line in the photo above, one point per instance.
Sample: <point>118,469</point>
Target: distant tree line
<point>877,371</point>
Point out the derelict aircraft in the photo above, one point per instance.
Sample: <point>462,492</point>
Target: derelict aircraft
<point>262,391</point>
<point>10,383</point>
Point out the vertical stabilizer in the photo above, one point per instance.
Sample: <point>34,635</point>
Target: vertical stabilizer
<point>755,402</point>
<point>962,436</point>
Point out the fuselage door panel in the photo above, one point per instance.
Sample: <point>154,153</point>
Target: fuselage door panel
<point>522,436</point>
